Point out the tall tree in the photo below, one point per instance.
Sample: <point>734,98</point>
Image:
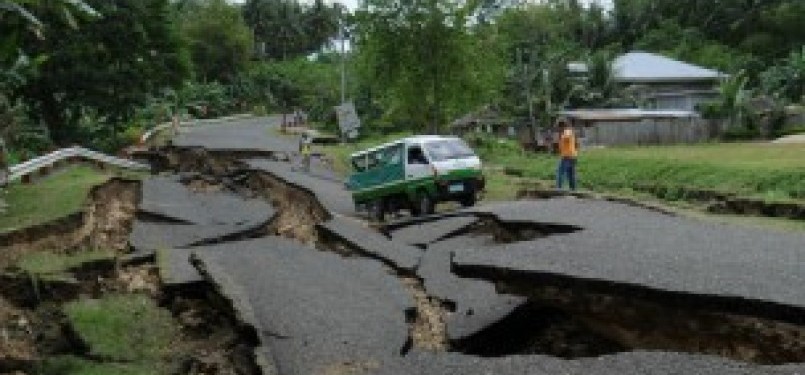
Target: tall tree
<point>220,42</point>
<point>106,67</point>
<point>425,58</point>
<point>286,29</point>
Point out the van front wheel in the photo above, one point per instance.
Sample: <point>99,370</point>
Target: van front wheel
<point>468,200</point>
<point>424,205</point>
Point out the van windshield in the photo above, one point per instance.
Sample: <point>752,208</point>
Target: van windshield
<point>448,149</point>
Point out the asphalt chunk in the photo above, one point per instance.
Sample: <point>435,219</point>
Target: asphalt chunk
<point>623,244</point>
<point>330,194</point>
<point>373,244</point>
<point>313,309</point>
<point>426,233</point>
<point>475,304</point>
<point>166,197</point>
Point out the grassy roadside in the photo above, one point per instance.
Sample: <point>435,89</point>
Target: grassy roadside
<point>765,171</point>
<point>52,197</point>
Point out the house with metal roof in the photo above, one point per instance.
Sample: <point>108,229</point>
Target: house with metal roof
<point>618,127</point>
<point>662,83</point>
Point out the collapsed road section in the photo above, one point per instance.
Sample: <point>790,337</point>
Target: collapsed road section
<point>449,268</point>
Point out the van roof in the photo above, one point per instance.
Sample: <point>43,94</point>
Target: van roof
<point>406,140</point>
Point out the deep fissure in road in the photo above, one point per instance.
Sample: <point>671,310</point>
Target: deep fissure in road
<point>298,213</point>
<point>566,320</point>
<point>573,319</point>
<point>496,231</point>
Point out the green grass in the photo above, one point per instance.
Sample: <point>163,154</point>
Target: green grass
<point>50,198</point>
<point>69,365</point>
<point>128,328</point>
<point>46,263</point>
<point>767,171</point>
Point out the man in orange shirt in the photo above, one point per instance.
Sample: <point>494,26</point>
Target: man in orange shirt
<point>568,150</point>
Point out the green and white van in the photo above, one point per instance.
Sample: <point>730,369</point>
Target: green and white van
<point>415,173</point>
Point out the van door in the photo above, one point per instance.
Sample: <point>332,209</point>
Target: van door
<point>417,165</point>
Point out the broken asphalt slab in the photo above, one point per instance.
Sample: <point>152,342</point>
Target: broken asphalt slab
<point>166,197</point>
<point>175,268</point>
<point>631,246</point>
<point>173,216</point>
<point>149,236</point>
<point>475,304</point>
<point>373,244</point>
<point>313,310</point>
<point>423,233</point>
<point>330,194</point>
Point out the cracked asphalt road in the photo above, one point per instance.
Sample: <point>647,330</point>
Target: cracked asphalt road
<point>321,313</point>
<point>623,244</point>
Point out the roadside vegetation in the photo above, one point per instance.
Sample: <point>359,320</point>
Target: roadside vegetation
<point>123,334</point>
<point>766,171</point>
<point>44,264</point>
<point>71,73</point>
<point>52,197</point>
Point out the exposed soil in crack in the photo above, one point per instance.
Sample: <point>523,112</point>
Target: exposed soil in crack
<point>104,224</point>
<point>537,329</point>
<point>573,321</point>
<point>298,211</point>
<point>211,342</point>
<point>428,322</point>
<point>493,231</point>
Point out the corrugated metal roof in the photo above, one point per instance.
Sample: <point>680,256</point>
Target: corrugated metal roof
<point>649,67</point>
<point>630,114</point>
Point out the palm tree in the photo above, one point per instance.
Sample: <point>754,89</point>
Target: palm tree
<point>734,96</point>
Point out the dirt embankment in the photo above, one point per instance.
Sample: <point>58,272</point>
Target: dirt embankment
<point>103,224</point>
<point>37,335</point>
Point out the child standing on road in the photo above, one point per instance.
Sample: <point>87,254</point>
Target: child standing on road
<point>568,151</point>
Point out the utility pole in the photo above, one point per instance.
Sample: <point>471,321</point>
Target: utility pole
<point>343,58</point>
<point>525,79</point>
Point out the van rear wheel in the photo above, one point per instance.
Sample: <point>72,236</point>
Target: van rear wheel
<point>377,210</point>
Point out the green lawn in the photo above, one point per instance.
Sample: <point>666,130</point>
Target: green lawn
<point>50,198</point>
<point>769,171</point>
